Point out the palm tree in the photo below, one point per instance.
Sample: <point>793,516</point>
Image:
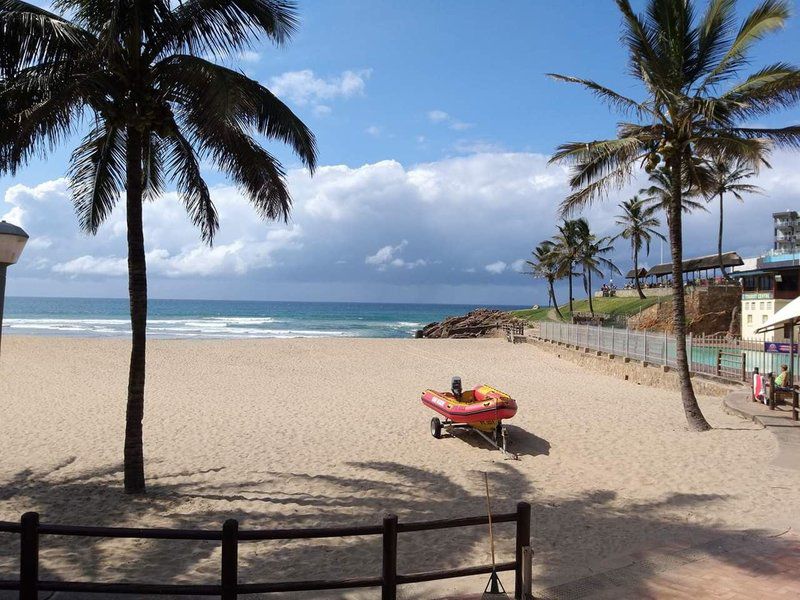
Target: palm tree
<point>659,193</point>
<point>157,107</point>
<point>591,258</point>
<point>639,227</point>
<point>726,178</point>
<point>545,265</point>
<point>691,109</point>
<point>567,249</point>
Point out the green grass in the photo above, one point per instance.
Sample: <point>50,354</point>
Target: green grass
<point>608,306</point>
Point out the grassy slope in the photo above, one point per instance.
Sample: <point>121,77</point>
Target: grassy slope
<point>608,306</point>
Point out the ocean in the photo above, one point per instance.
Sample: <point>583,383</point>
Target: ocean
<point>205,319</point>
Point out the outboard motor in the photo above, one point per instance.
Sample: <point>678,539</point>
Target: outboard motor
<point>455,387</point>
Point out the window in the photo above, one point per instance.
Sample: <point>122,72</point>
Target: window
<point>749,319</point>
<point>761,305</point>
<point>763,318</point>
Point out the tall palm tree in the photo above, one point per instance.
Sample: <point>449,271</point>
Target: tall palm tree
<point>567,249</point>
<point>545,265</point>
<point>695,100</point>
<point>591,257</point>
<point>639,227</point>
<point>157,106</point>
<point>727,176</point>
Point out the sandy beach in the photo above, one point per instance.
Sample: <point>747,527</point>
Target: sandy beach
<point>298,433</point>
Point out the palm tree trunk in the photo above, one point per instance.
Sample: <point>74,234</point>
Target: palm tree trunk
<point>137,291</point>
<point>636,273</point>
<point>719,240</point>
<point>554,301</point>
<point>694,415</point>
<point>589,291</point>
<point>571,312</point>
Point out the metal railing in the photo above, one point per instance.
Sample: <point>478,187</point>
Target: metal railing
<point>30,531</point>
<point>719,357</point>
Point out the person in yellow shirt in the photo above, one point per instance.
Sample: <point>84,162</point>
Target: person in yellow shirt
<point>781,380</point>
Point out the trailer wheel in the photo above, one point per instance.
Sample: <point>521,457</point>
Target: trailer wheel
<point>436,427</point>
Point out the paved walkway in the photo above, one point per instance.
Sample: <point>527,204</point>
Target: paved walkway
<point>778,421</point>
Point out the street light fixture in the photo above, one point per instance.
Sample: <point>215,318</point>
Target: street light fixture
<point>12,241</point>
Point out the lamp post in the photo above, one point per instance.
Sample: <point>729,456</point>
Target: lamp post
<point>12,241</point>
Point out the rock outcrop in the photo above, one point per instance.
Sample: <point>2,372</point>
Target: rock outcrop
<point>709,311</point>
<point>482,322</point>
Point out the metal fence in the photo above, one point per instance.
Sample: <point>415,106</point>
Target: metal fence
<point>728,359</point>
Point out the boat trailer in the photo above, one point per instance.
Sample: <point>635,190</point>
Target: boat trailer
<point>498,440</point>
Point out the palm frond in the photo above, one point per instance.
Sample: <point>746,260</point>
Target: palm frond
<point>184,168</point>
<point>32,35</point>
<point>97,175</point>
<point>214,26</point>
<point>615,100</point>
<point>221,93</point>
<point>765,18</point>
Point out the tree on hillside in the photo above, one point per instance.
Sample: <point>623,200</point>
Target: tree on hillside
<point>566,249</point>
<point>658,194</point>
<point>545,265</point>
<point>139,75</point>
<point>696,98</point>
<point>726,178</point>
<point>639,228</point>
<point>592,259</point>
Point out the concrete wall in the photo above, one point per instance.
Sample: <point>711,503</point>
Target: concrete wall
<point>634,371</point>
<point>653,292</point>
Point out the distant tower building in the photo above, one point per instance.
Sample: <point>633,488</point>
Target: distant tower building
<point>787,232</point>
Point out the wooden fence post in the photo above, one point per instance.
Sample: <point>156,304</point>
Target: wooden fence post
<point>230,559</point>
<point>719,362</point>
<point>744,366</point>
<point>29,557</point>
<point>389,585</point>
<point>795,406</point>
<point>523,540</point>
<point>527,573</point>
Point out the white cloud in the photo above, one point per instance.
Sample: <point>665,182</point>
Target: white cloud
<point>249,56</point>
<point>373,130</point>
<point>437,116</point>
<point>440,116</point>
<point>92,265</point>
<point>389,256</point>
<point>306,88</point>
<point>518,265</point>
<point>430,226</point>
<point>496,267</point>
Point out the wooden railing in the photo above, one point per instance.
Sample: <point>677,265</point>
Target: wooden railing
<point>30,532</point>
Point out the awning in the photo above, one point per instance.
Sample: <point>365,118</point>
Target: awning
<point>787,315</point>
<point>632,273</point>
<point>701,263</point>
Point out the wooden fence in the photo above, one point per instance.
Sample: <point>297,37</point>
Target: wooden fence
<point>30,532</point>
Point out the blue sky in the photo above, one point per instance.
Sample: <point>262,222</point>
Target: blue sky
<point>435,121</point>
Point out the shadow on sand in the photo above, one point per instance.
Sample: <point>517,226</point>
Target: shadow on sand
<point>570,535</point>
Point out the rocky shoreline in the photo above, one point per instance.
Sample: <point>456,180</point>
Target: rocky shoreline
<point>482,322</point>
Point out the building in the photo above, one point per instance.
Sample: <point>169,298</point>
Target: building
<point>786,226</point>
<point>771,281</point>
